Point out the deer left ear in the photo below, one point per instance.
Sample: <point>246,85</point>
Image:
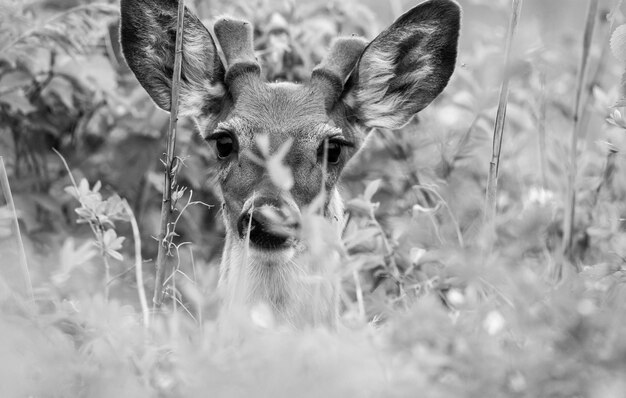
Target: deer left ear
<point>406,67</point>
<point>148,35</point>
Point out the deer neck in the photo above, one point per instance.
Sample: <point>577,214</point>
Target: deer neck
<point>300,289</point>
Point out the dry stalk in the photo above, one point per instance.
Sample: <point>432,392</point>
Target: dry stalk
<point>570,205</point>
<point>170,162</point>
<point>494,164</point>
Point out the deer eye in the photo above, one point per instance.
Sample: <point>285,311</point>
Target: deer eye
<point>333,150</point>
<point>225,145</point>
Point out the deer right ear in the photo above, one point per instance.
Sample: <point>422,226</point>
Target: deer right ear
<point>403,69</point>
<point>148,36</point>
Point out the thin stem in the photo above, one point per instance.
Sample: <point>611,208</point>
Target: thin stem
<point>494,164</point>
<point>170,162</point>
<point>359,294</point>
<point>107,275</point>
<point>138,266</point>
<point>541,127</point>
<point>6,189</point>
<point>570,205</point>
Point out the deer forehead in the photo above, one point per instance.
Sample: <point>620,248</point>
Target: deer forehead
<point>281,110</point>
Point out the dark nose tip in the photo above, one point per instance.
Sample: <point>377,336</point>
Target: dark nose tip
<point>268,223</point>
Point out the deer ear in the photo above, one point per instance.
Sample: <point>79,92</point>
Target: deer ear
<point>148,36</point>
<point>403,69</point>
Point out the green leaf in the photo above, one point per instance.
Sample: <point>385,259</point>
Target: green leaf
<point>371,189</point>
<point>72,257</point>
<point>62,89</point>
<point>280,174</point>
<point>18,102</point>
<point>14,80</point>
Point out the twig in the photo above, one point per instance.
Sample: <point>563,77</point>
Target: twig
<point>494,165</point>
<point>570,205</point>
<point>138,266</point>
<point>170,172</point>
<point>6,189</point>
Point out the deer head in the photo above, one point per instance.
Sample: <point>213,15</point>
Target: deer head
<point>318,126</point>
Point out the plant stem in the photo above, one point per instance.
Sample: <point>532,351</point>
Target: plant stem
<point>138,266</point>
<point>570,205</point>
<point>541,130</point>
<point>170,172</point>
<point>6,189</point>
<point>494,164</point>
<point>107,276</point>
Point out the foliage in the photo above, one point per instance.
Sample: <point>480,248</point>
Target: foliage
<point>427,308</point>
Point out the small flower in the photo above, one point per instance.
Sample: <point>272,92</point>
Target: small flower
<point>111,243</point>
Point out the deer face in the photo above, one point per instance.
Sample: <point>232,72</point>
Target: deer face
<point>314,128</point>
<point>290,118</point>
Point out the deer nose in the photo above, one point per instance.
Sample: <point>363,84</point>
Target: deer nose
<point>269,223</point>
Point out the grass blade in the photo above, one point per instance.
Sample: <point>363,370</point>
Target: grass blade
<point>570,205</point>
<point>494,164</point>
<point>138,266</point>
<point>6,189</point>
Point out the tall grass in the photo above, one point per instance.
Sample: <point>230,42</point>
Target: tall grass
<point>8,197</point>
<point>170,162</point>
<point>579,104</point>
<point>498,134</point>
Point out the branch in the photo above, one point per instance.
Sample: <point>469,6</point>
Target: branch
<point>170,161</point>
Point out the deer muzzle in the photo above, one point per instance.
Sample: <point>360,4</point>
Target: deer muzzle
<point>269,223</point>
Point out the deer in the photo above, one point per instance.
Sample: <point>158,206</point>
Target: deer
<point>359,86</point>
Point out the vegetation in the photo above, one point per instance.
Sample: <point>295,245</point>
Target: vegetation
<point>435,303</point>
